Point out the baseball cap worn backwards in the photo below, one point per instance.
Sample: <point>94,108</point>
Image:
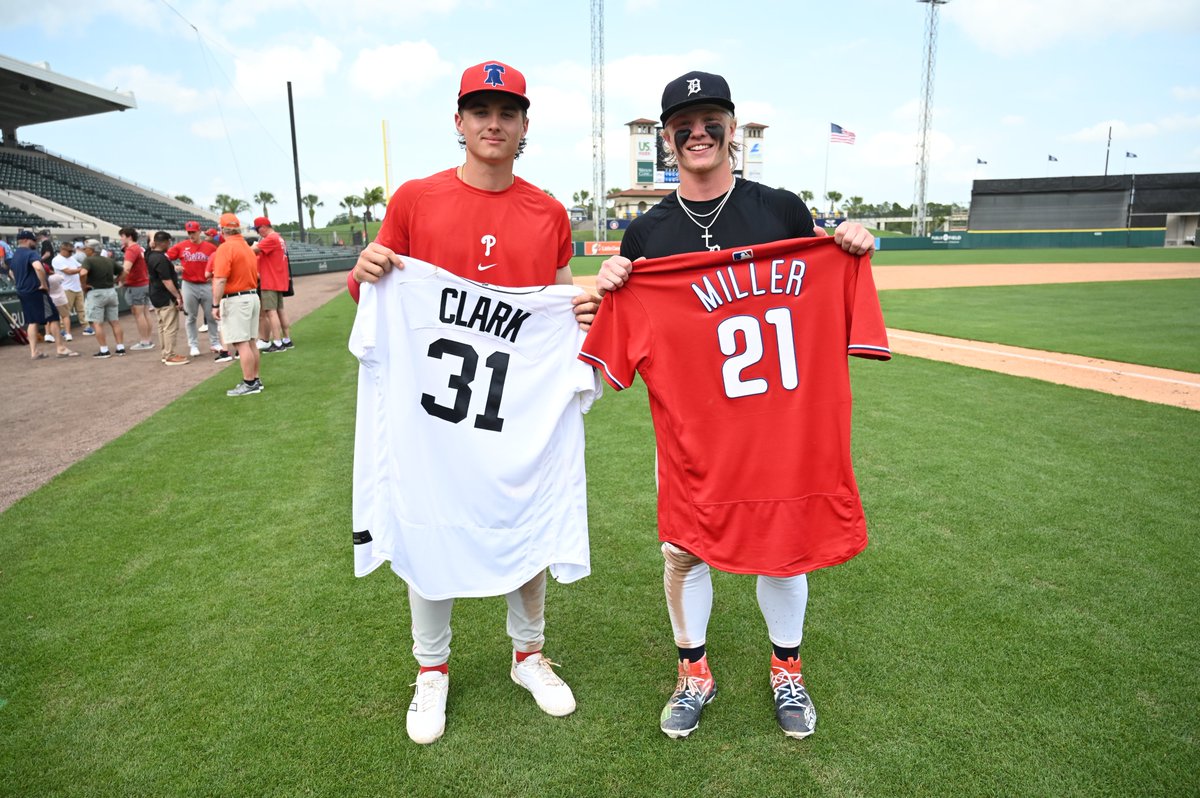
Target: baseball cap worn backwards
<point>695,88</point>
<point>229,220</point>
<point>493,76</point>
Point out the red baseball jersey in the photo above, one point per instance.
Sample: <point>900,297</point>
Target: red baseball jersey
<point>272,262</point>
<point>194,257</point>
<point>744,355</point>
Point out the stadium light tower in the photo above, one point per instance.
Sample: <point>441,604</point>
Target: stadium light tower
<point>598,197</point>
<point>931,21</point>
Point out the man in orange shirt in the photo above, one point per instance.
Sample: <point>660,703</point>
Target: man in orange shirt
<point>235,300</point>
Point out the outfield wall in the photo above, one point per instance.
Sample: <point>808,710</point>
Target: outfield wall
<point>1028,239</point>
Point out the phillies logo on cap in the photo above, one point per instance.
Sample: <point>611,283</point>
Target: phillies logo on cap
<point>495,74</point>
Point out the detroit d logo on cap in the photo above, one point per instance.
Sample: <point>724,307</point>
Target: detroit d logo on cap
<point>693,86</point>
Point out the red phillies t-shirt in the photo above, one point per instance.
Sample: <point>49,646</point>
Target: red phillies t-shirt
<point>272,262</point>
<point>743,352</point>
<point>516,237</point>
<point>137,274</point>
<point>194,257</point>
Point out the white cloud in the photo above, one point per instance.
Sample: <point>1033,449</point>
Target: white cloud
<point>267,70</point>
<point>1185,92</point>
<point>156,87</point>
<point>1015,27</point>
<point>894,149</point>
<point>638,80</point>
<point>399,70</point>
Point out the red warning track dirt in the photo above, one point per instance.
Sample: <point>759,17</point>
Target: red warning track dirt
<point>1163,386</point>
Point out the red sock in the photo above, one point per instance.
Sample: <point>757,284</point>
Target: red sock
<point>443,668</point>
<point>523,655</point>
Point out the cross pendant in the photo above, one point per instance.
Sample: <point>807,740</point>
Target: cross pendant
<point>707,241</point>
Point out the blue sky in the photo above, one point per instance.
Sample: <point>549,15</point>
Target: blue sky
<point>1016,82</point>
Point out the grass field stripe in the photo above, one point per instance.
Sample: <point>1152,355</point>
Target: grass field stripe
<point>1004,353</point>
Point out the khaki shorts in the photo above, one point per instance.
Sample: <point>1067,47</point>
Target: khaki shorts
<point>239,318</point>
<point>272,300</point>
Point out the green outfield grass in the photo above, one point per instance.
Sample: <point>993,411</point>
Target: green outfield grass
<point>1152,322</point>
<point>935,257</point>
<point>179,615</point>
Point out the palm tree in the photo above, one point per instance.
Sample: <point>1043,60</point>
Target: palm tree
<point>807,196</point>
<point>350,203</point>
<point>223,203</point>
<point>372,197</point>
<point>184,198</point>
<point>833,197</point>
<point>265,198</point>
<point>312,202</point>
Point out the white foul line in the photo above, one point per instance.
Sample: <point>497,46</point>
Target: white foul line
<point>1000,353</point>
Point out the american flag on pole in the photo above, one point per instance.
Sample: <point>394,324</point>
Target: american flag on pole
<point>840,134</point>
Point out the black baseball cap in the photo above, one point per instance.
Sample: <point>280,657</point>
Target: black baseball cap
<point>695,88</point>
<point>26,235</point>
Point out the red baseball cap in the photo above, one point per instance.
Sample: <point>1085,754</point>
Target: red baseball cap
<point>229,220</point>
<point>192,227</point>
<point>212,231</point>
<point>493,76</point>
<point>262,221</point>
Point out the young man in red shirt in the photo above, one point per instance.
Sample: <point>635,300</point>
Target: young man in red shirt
<point>273,272</point>
<point>482,222</point>
<point>136,280</point>
<point>194,255</point>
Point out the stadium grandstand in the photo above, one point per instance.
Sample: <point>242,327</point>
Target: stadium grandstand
<point>41,190</point>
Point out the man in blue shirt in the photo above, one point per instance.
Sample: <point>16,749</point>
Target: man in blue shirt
<point>33,291</point>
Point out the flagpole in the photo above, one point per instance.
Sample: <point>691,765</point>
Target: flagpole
<point>825,188</point>
<point>1106,150</point>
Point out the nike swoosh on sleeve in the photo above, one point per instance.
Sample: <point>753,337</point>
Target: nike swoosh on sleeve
<point>483,268</point>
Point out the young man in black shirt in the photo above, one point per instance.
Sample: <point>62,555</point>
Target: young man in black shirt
<point>165,297</point>
<point>712,209</point>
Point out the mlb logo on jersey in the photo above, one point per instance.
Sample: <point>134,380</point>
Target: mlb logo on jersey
<point>743,254</point>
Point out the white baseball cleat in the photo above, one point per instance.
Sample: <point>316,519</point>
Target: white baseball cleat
<point>427,713</point>
<point>536,674</point>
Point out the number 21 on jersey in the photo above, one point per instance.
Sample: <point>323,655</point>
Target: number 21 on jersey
<point>737,361</point>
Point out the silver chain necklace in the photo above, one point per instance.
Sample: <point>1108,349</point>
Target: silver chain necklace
<point>714,213</point>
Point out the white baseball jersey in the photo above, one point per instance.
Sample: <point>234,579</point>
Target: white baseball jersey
<point>468,449</point>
